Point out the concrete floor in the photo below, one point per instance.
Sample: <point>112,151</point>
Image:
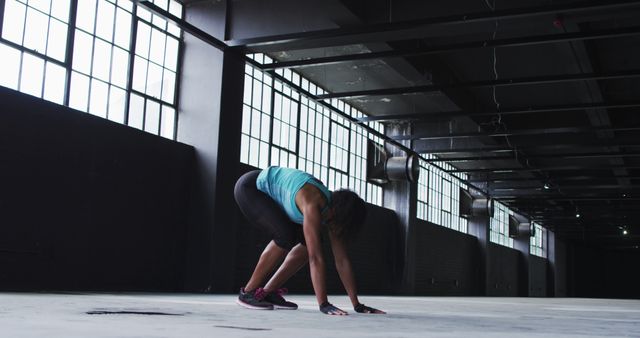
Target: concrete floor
<point>83,315</point>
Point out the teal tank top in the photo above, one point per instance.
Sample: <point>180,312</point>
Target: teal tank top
<point>282,185</point>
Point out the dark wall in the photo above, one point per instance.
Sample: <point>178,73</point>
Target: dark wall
<point>537,277</point>
<point>88,204</point>
<point>502,271</point>
<point>210,96</point>
<point>557,266</point>
<point>375,254</point>
<point>560,268</point>
<point>446,261</point>
<point>601,273</point>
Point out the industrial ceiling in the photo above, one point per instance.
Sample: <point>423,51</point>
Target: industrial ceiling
<point>537,101</point>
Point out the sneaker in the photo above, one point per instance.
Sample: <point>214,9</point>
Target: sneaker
<point>278,301</point>
<point>254,299</point>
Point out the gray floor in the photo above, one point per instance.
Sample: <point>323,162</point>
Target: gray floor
<point>87,315</point>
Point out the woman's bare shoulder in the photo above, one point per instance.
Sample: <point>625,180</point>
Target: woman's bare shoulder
<point>310,196</point>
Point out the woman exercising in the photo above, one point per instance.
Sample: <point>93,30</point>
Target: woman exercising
<point>294,207</point>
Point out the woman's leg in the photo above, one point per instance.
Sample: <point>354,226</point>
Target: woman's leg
<point>264,213</point>
<point>294,261</point>
<point>270,257</point>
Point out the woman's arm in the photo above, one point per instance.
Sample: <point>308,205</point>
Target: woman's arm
<point>343,266</point>
<point>311,227</point>
<point>310,201</point>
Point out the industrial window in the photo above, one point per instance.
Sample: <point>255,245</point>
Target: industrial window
<point>115,60</point>
<point>439,196</point>
<point>499,227</point>
<point>283,126</point>
<point>537,244</point>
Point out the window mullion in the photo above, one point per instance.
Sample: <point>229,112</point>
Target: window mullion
<point>20,71</point>
<point>348,147</point>
<point>148,62</point>
<point>68,60</point>
<point>176,96</point>
<point>299,115</point>
<point>2,16</point>
<point>93,53</point>
<point>32,52</point>
<point>271,116</point>
<point>113,46</point>
<point>24,24</point>
<point>329,152</point>
<point>132,56</point>
<point>147,97</point>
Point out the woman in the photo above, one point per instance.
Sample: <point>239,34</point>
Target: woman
<point>294,207</point>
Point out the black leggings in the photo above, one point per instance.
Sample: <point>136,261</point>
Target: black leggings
<point>263,212</point>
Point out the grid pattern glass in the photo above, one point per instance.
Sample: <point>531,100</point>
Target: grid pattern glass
<point>283,126</point>
<point>537,244</point>
<point>439,196</point>
<point>115,60</point>
<point>499,227</point>
<point>33,47</point>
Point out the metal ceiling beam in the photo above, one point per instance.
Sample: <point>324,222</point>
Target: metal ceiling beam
<point>540,156</point>
<point>603,211</point>
<point>569,212</point>
<point>516,132</point>
<point>607,214</point>
<point>621,187</point>
<point>551,180</point>
<point>490,149</point>
<point>561,188</point>
<point>413,28</point>
<point>607,219</point>
<point>479,84</point>
<point>568,198</point>
<point>454,47</point>
<point>545,168</point>
<point>541,207</point>
<point>505,149</point>
<point>506,111</point>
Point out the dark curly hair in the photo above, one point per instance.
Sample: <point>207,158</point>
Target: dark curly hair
<point>349,212</point>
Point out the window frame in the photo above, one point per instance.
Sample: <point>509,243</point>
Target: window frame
<point>538,243</point>
<point>315,123</point>
<point>499,225</point>
<point>431,196</point>
<point>68,63</point>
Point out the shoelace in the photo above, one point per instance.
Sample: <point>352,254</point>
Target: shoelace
<point>259,294</point>
<point>282,291</point>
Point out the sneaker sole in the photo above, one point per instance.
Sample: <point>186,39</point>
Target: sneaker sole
<point>284,307</point>
<point>249,306</point>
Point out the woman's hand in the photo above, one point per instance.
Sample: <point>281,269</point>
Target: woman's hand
<point>329,309</point>
<point>361,308</point>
